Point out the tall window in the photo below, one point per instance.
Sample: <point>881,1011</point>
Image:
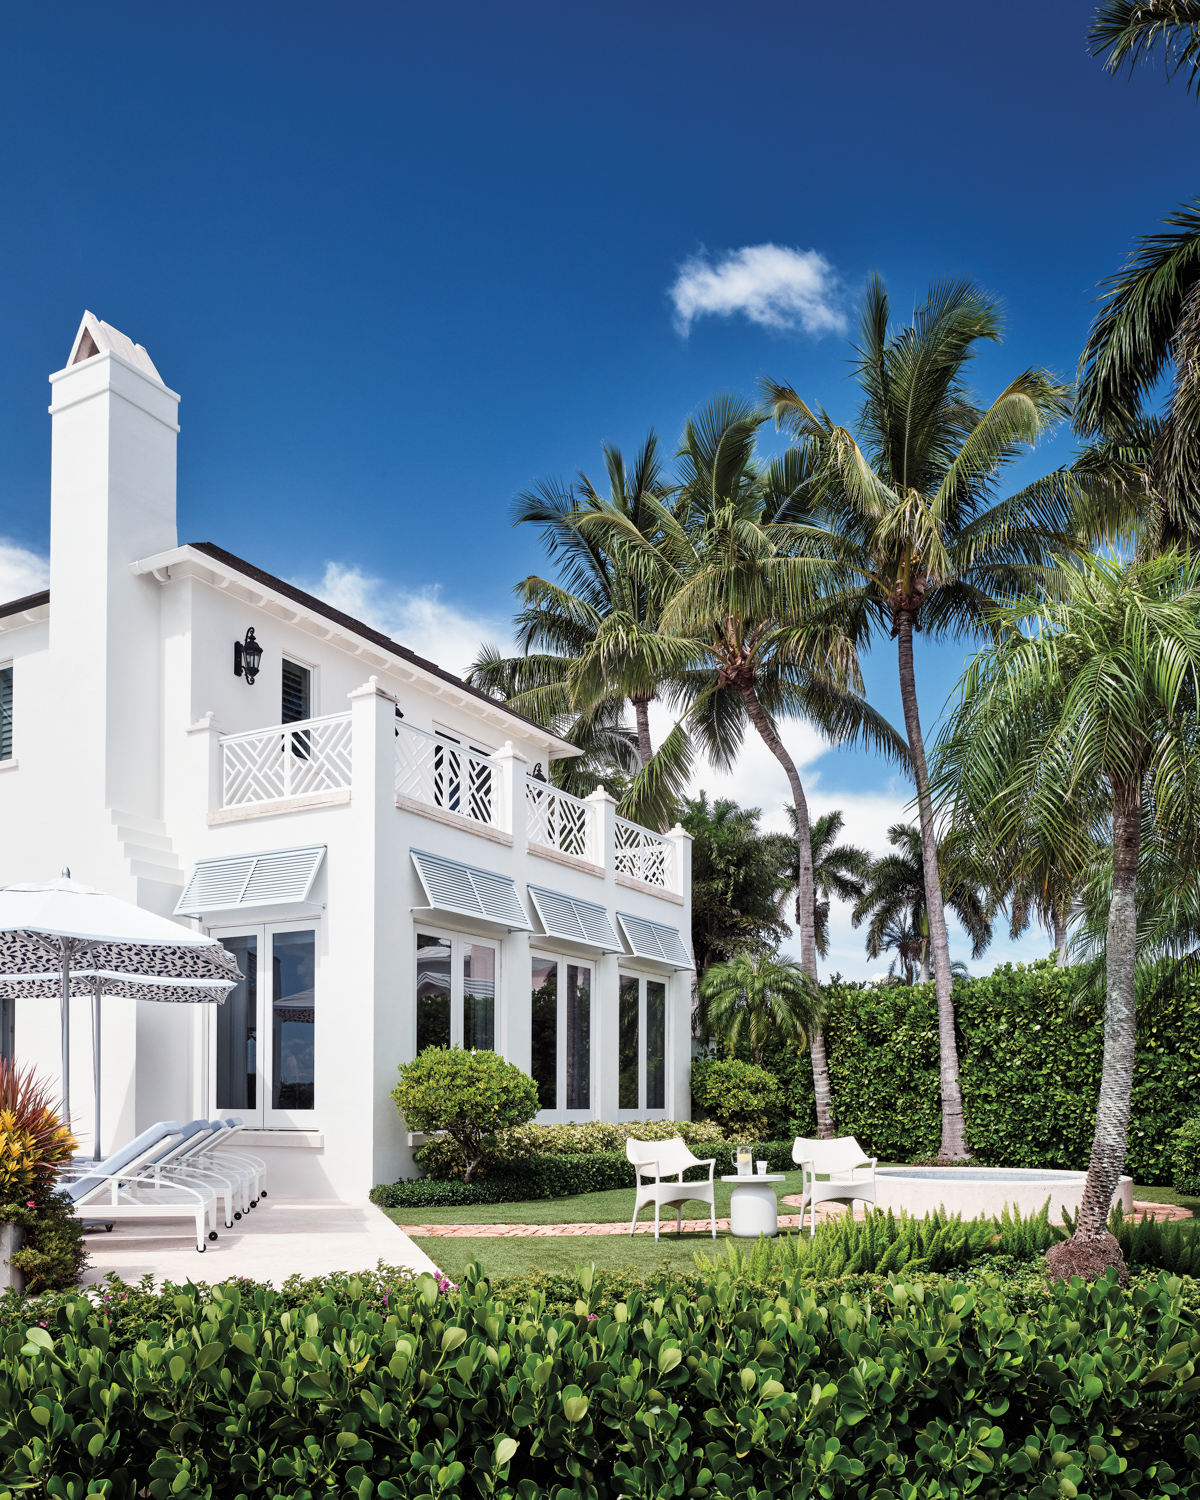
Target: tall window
<point>297,692</point>
<point>561,1033</point>
<point>455,991</point>
<point>6,713</point>
<point>642,1043</point>
<point>265,1032</point>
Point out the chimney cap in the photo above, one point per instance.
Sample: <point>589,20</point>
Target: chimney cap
<point>95,336</point>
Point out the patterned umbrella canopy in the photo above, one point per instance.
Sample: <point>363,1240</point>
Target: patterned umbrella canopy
<point>63,939</point>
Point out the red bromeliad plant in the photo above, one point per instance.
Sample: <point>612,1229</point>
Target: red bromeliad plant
<point>35,1142</point>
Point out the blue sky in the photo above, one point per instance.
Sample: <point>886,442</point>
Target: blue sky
<point>401,261</point>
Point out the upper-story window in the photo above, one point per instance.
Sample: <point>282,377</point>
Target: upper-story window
<point>6,712</point>
<point>297,692</point>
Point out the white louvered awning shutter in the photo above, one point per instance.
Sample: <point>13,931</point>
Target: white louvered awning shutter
<point>470,891</point>
<point>567,917</point>
<point>280,877</point>
<point>653,940</point>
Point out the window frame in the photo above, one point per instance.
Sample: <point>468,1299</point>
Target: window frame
<point>642,1111</point>
<point>9,666</point>
<point>561,1114</point>
<point>265,1116</point>
<point>456,939</point>
<point>314,677</point>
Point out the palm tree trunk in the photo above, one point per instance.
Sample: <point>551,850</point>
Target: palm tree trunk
<point>954,1139</point>
<point>641,713</point>
<point>1111,1139</point>
<point>1060,934</point>
<point>805,903</point>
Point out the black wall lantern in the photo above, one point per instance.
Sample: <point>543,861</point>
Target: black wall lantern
<point>247,656</point>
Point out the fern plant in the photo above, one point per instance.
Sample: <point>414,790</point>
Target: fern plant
<point>1168,1246</point>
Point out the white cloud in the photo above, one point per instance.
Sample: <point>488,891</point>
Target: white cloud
<point>773,285</point>
<point>21,571</point>
<point>419,620</point>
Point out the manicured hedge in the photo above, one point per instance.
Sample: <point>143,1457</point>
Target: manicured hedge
<point>713,1389</point>
<point>1030,1070</point>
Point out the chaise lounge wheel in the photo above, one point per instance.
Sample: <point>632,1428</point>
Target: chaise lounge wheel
<point>263,1194</point>
<point>108,1229</point>
<point>200,1249</point>
<point>254,1203</point>
<point>212,1234</point>
<point>237,1216</point>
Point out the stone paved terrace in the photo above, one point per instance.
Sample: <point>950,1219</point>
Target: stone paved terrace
<point>278,1239</point>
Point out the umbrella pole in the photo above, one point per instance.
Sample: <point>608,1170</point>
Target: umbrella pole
<point>96,1066</point>
<point>66,1031</point>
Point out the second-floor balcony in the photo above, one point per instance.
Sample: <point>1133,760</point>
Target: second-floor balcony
<point>313,760</point>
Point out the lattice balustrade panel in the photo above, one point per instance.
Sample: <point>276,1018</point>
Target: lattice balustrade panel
<point>293,760</point>
<point>642,855</point>
<point>443,775</point>
<point>558,820</point>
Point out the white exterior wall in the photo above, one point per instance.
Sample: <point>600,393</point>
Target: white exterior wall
<point>121,697</point>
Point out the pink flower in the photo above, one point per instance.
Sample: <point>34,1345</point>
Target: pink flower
<point>31,1203</point>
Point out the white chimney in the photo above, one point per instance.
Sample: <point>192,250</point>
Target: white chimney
<point>112,501</point>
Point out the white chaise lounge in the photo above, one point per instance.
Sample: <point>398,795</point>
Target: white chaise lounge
<point>664,1159</point>
<point>841,1160</point>
<point>129,1185</point>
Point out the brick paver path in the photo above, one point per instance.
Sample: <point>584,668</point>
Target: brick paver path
<point>667,1225</point>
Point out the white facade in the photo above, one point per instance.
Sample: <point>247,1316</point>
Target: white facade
<point>137,757</point>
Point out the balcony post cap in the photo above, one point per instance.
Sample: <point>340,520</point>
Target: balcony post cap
<point>601,794</point>
<point>678,832</point>
<point>371,689</point>
<point>508,751</point>
<point>205,724</point>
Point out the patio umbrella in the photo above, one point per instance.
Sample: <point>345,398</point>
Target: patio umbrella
<point>63,939</point>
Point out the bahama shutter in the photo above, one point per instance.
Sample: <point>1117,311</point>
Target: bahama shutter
<point>568,917</point>
<point>653,940</point>
<point>468,891</point>
<point>280,877</point>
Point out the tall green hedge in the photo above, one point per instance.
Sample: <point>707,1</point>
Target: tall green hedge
<point>1030,1070</point>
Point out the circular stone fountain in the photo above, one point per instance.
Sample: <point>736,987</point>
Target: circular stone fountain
<point>976,1192</point>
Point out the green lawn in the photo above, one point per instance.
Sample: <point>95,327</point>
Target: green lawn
<point>608,1252</point>
<point>613,1207</point>
<point>1165,1195</point>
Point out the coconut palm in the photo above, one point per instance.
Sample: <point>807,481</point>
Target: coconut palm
<point>894,898</point>
<point>598,624</point>
<point>1130,30</point>
<point>908,519</point>
<point>762,994</point>
<point>1093,695</point>
<point>839,870</point>
<point>1149,327</point>
<point>735,593</point>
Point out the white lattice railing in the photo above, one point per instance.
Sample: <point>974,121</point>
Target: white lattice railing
<point>558,820</point>
<point>287,760</point>
<point>643,855</point>
<point>442,774</point>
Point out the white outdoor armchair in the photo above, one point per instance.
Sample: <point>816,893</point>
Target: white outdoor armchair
<point>841,1160</point>
<point>657,1160</point>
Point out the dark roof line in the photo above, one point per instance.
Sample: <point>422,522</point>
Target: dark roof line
<point>30,601</point>
<point>348,622</point>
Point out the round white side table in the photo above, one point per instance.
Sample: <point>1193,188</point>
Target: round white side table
<point>753,1207</point>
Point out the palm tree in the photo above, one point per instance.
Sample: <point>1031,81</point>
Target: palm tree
<point>839,870</point>
<point>1097,696</point>
<point>1149,327</point>
<point>764,993</point>
<point>595,629</point>
<point>895,900</point>
<point>735,592</point>
<point>1129,30</point>
<point>907,520</point>
<point>739,880</point>
<point>910,947</point>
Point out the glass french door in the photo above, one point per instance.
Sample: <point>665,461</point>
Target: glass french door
<point>456,991</point>
<point>561,1035</point>
<point>642,1044</point>
<point>262,1041</point>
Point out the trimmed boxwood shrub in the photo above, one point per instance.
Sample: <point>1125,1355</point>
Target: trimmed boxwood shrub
<point>1030,1070</point>
<point>712,1388</point>
<point>441,1158</point>
<point>740,1094</point>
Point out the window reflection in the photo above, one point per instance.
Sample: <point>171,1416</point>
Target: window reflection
<point>433,991</point>
<point>627,1044</point>
<point>292,1019</point>
<point>544,1031</point>
<point>237,1031</point>
<point>579,1036</point>
<point>479,996</point>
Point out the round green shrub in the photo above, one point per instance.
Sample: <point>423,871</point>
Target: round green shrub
<point>441,1159</point>
<point>1185,1159</point>
<point>740,1094</point>
<point>469,1095</point>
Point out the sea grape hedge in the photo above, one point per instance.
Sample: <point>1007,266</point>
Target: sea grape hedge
<point>717,1389</point>
<point>1030,1070</point>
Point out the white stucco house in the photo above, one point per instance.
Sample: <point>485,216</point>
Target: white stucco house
<point>373,839</point>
